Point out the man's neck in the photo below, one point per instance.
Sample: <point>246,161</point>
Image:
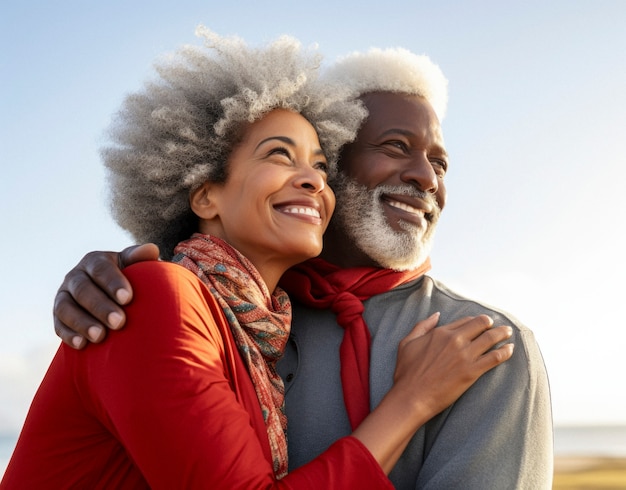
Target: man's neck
<point>341,251</point>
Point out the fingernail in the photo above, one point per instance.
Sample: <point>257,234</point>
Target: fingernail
<point>122,296</point>
<point>77,342</point>
<point>115,320</point>
<point>94,333</point>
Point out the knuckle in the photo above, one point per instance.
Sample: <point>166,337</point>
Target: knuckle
<point>498,356</point>
<point>73,282</point>
<point>57,330</point>
<point>484,321</point>
<point>78,296</point>
<point>101,267</point>
<point>60,305</point>
<point>94,257</point>
<point>63,333</point>
<point>457,341</point>
<point>58,300</point>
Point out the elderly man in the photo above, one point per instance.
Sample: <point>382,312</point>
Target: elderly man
<point>353,306</point>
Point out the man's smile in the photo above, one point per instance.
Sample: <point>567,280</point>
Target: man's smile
<point>410,209</point>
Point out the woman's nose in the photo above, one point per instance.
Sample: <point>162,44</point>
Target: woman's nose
<point>311,179</point>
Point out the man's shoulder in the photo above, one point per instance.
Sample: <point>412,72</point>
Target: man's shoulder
<point>479,306</point>
<point>449,301</point>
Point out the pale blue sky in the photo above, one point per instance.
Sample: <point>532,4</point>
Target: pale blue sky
<point>535,129</point>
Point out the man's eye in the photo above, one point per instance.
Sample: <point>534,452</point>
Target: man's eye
<point>400,145</point>
<point>440,166</point>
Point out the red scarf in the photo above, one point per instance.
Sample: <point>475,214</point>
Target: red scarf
<point>259,320</point>
<point>322,285</point>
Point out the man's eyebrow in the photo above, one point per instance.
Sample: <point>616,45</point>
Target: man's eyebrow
<point>404,132</point>
<point>287,140</point>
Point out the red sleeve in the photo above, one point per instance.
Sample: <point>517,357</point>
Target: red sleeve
<point>165,387</point>
<point>174,408</point>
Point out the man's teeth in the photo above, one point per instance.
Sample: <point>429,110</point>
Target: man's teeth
<point>307,211</point>
<point>405,207</point>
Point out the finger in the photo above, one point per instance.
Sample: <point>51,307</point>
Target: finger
<point>74,325</point>
<point>422,327</point>
<point>123,292</point>
<point>69,337</point>
<point>84,294</point>
<point>490,338</point>
<point>104,270</point>
<point>472,327</point>
<point>495,357</point>
<point>458,323</point>
<point>138,253</point>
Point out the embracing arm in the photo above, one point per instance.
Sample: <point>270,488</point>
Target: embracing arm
<point>434,368</point>
<point>167,402</point>
<point>182,423</point>
<point>172,400</point>
<point>460,348</point>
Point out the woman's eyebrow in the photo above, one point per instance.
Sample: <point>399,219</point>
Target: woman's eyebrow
<point>284,139</point>
<point>289,141</point>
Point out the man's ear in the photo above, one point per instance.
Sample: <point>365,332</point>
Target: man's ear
<point>202,201</point>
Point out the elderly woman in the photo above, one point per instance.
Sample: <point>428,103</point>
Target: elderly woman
<point>223,162</point>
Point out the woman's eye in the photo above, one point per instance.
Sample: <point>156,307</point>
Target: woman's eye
<point>280,155</point>
<point>280,151</point>
<point>323,166</point>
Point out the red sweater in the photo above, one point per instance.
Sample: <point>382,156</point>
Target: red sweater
<point>164,403</point>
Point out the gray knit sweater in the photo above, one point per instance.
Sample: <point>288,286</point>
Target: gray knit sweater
<point>498,435</point>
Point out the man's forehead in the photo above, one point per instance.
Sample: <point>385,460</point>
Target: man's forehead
<point>379,102</point>
<point>400,112</point>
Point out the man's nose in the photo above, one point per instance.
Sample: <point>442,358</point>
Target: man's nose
<point>420,173</point>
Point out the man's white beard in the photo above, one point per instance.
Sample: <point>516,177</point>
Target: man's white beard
<point>360,215</point>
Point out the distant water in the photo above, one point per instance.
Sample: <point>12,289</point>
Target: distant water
<point>568,441</point>
<point>7,443</point>
<point>590,441</point>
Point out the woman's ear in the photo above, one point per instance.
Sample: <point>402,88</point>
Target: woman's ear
<point>202,202</point>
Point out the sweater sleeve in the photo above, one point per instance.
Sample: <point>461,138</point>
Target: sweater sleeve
<point>498,435</point>
<point>162,387</point>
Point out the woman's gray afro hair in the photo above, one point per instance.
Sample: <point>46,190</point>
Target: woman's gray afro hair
<point>179,131</point>
<point>392,70</point>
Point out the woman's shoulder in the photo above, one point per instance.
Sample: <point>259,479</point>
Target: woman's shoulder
<point>165,293</point>
<point>162,274</point>
<point>156,269</point>
<point>159,282</point>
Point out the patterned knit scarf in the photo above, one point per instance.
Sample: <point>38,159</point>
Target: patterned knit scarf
<point>260,323</point>
<point>321,285</point>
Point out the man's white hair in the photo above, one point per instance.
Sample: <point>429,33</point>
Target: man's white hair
<point>392,70</point>
<point>359,211</point>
